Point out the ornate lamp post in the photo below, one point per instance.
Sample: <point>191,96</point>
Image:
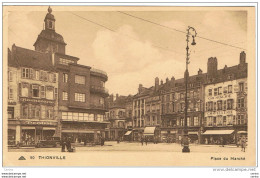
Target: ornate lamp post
<point>186,148</point>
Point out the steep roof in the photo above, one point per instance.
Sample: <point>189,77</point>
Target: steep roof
<point>50,35</point>
<point>21,57</point>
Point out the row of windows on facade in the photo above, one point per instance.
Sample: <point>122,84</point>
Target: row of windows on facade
<point>152,107</point>
<point>177,96</point>
<point>31,111</point>
<point>29,73</point>
<point>74,116</point>
<point>172,107</point>
<point>120,124</point>
<point>224,104</point>
<point>79,79</point>
<point>224,120</point>
<point>191,121</point>
<point>79,97</point>
<point>224,90</point>
<point>115,114</point>
<point>34,91</point>
<point>208,121</point>
<point>152,120</point>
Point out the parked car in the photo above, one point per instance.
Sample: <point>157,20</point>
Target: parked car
<point>49,142</point>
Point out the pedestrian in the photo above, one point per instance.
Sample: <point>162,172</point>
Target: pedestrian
<point>142,140</point>
<point>118,140</point>
<point>146,140</point>
<point>222,141</point>
<point>68,144</point>
<point>63,143</point>
<point>243,144</point>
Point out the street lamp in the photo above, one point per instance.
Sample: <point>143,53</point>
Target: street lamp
<point>186,148</point>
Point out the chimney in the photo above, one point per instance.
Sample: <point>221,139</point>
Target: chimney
<point>212,66</point>
<point>156,83</point>
<point>116,96</point>
<point>167,80</point>
<point>172,81</point>
<point>242,57</point>
<point>161,82</point>
<point>140,88</point>
<point>199,72</point>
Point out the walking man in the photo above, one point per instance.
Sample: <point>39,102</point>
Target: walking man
<point>243,144</point>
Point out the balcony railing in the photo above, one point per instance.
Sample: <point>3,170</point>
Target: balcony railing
<point>98,89</point>
<point>98,72</point>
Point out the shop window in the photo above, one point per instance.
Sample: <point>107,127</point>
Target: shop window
<point>80,79</point>
<point>49,93</point>
<point>35,91</point>
<point>65,96</point>
<point>65,77</point>
<point>80,97</point>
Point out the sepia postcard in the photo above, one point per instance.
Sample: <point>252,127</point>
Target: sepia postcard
<point>129,86</point>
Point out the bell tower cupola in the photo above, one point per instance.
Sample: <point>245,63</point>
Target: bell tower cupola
<point>49,40</point>
<point>49,20</point>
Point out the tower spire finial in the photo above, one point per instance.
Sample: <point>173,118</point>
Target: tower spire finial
<point>49,9</point>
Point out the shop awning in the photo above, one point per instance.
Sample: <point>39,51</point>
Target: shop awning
<point>77,131</point>
<point>128,132</point>
<point>28,128</point>
<point>48,128</point>
<point>149,130</point>
<point>242,132</point>
<point>193,133</point>
<point>218,132</point>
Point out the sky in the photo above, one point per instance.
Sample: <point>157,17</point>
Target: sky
<point>133,51</point>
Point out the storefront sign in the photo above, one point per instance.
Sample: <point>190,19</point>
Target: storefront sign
<point>219,97</point>
<point>38,123</point>
<point>32,100</point>
<point>210,113</point>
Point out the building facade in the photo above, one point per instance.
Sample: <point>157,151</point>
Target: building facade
<point>55,95</point>
<point>32,96</point>
<point>225,102</point>
<point>173,105</point>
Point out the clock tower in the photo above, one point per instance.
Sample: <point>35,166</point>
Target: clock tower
<point>48,40</point>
